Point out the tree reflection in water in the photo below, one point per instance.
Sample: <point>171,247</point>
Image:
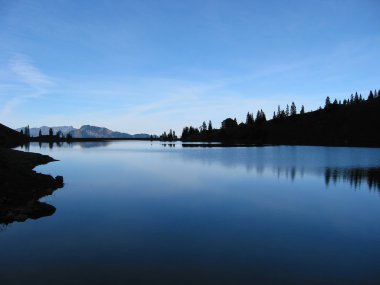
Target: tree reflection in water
<point>354,176</point>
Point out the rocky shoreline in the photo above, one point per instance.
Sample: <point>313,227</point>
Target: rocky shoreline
<point>21,187</point>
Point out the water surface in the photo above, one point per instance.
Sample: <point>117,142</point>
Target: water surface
<point>144,213</point>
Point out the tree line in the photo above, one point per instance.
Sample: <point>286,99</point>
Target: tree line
<point>170,136</point>
<point>257,127</point>
<point>50,136</point>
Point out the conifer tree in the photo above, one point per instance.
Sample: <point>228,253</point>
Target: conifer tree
<point>293,109</point>
<point>263,117</point>
<point>258,117</point>
<point>170,136</point>
<point>327,102</point>
<point>185,133</point>
<point>356,98</point>
<point>249,119</point>
<point>209,126</point>
<point>204,127</point>
<point>370,96</point>
<point>302,110</point>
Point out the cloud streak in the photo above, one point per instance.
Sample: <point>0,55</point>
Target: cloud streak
<point>24,82</point>
<point>26,72</point>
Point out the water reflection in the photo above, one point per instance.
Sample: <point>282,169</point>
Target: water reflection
<point>354,166</point>
<point>51,145</point>
<point>25,147</point>
<point>216,215</point>
<point>3,227</point>
<point>91,144</point>
<point>354,176</point>
<point>168,144</point>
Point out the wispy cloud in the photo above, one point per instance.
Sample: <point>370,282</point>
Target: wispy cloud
<point>28,73</point>
<point>24,81</point>
<point>10,105</point>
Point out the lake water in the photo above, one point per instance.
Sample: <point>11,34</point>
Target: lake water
<point>145,213</point>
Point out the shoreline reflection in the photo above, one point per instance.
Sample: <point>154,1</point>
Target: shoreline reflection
<point>51,145</point>
<point>354,176</point>
<point>354,166</point>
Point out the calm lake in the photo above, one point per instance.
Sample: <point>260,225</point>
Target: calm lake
<point>148,213</point>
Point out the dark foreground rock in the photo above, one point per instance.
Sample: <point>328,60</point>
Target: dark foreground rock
<point>21,187</point>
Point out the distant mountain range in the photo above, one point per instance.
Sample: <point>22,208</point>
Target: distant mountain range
<point>85,131</point>
<point>88,131</point>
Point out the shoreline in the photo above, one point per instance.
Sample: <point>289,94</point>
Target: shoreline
<point>212,143</point>
<point>21,187</point>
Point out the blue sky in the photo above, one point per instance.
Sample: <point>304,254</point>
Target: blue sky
<point>150,65</point>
